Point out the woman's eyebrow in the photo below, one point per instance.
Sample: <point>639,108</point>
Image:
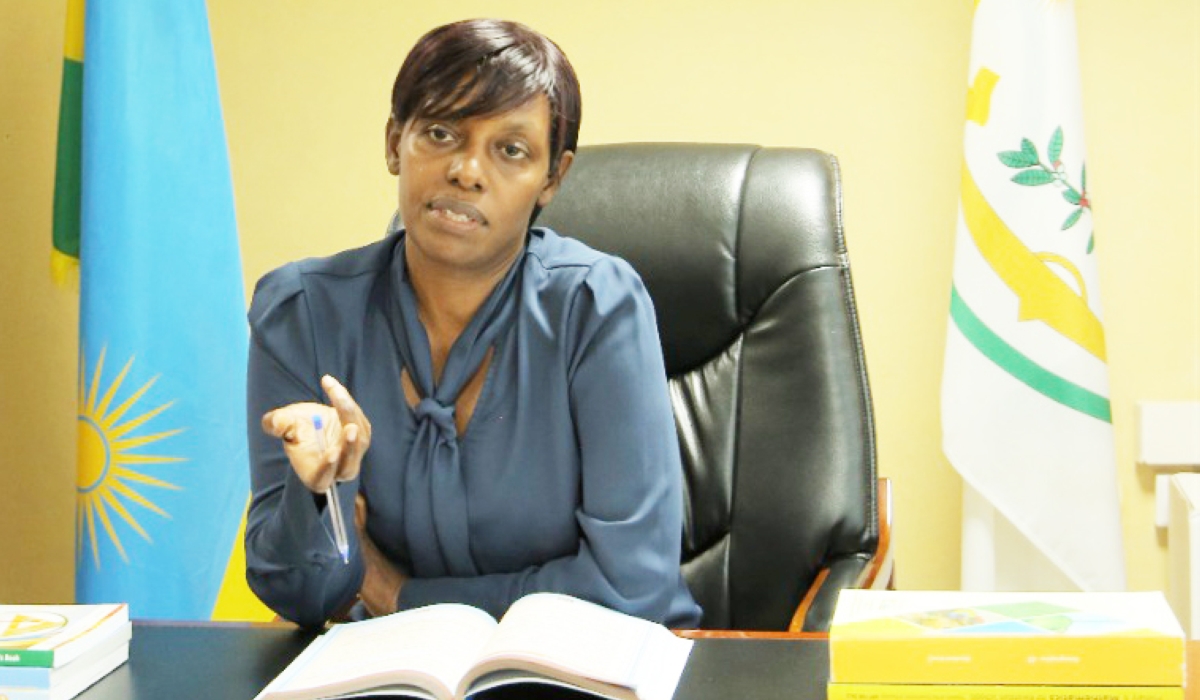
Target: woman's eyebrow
<point>520,125</point>
<point>517,125</point>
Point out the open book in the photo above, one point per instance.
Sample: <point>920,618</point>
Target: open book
<point>449,651</point>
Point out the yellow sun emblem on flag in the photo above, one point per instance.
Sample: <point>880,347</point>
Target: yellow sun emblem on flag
<point>108,477</point>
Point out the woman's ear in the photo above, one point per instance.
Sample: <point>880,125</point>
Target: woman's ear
<point>565,159</point>
<point>391,140</point>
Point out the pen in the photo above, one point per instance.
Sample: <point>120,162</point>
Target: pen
<point>331,498</point>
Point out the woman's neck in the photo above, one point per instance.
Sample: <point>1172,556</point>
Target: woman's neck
<point>447,300</point>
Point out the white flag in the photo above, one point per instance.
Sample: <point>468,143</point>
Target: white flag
<point>1025,408</point>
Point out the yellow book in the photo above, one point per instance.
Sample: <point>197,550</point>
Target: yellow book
<point>957,637</point>
<point>897,691</point>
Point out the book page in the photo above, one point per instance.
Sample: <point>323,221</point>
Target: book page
<point>431,646</point>
<point>661,666</point>
<point>581,639</point>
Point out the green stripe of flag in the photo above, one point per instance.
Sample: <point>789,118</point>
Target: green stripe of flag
<point>1024,369</point>
<point>67,168</point>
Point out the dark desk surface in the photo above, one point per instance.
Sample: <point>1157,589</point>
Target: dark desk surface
<point>234,662</point>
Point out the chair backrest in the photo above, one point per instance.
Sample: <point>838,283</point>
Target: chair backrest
<point>742,250</point>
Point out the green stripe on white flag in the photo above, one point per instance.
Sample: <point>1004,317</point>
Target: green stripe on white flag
<point>1022,368</point>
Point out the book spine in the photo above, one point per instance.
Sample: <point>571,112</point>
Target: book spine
<point>1050,661</point>
<point>27,657</point>
<point>897,691</point>
<point>24,677</point>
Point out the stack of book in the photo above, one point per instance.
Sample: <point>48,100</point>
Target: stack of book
<point>55,652</point>
<point>916,645</point>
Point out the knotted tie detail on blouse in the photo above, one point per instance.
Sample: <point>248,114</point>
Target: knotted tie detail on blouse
<point>441,416</point>
<point>436,521</point>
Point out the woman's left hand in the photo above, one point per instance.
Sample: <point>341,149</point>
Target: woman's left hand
<point>382,580</point>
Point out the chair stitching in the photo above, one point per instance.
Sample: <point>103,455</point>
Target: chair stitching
<point>737,244</point>
<point>738,384</point>
<point>867,415</point>
<point>740,335</point>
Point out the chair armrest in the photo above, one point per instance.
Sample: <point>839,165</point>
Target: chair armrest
<point>881,570</point>
<point>816,608</point>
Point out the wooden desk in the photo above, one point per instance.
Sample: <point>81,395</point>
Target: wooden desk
<point>210,661</point>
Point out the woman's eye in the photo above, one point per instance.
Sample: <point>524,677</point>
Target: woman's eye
<point>439,134</point>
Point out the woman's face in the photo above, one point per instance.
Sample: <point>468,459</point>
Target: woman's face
<point>468,188</point>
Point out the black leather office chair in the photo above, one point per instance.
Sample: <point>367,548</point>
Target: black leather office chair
<point>742,250</point>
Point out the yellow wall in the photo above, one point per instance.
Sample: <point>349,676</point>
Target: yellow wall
<point>880,83</point>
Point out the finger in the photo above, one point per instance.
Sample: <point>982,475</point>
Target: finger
<point>360,513</point>
<point>280,423</point>
<point>316,473</point>
<point>329,437</point>
<point>362,440</point>
<point>347,408</point>
<point>352,452</point>
<point>341,399</point>
<point>356,429</point>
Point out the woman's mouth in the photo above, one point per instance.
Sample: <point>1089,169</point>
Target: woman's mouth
<point>456,211</point>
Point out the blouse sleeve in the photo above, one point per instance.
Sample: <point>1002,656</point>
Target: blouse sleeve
<point>292,563</point>
<point>630,515</point>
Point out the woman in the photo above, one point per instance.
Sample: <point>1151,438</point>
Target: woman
<point>500,406</point>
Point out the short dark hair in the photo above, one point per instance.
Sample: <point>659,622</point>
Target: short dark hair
<point>481,67</point>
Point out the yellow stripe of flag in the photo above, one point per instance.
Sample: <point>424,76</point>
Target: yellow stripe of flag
<point>236,601</point>
<point>1042,295</point>
<point>73,44</point>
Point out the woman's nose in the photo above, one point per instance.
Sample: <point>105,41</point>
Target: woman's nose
<point>466,170</point>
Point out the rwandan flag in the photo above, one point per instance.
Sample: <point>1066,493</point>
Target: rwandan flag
<point>163,482</point>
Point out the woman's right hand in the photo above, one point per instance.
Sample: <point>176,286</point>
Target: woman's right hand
<point>345,436</point>
<point>382,580</point>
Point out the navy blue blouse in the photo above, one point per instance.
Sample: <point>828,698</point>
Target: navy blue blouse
<point>570,471</point>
